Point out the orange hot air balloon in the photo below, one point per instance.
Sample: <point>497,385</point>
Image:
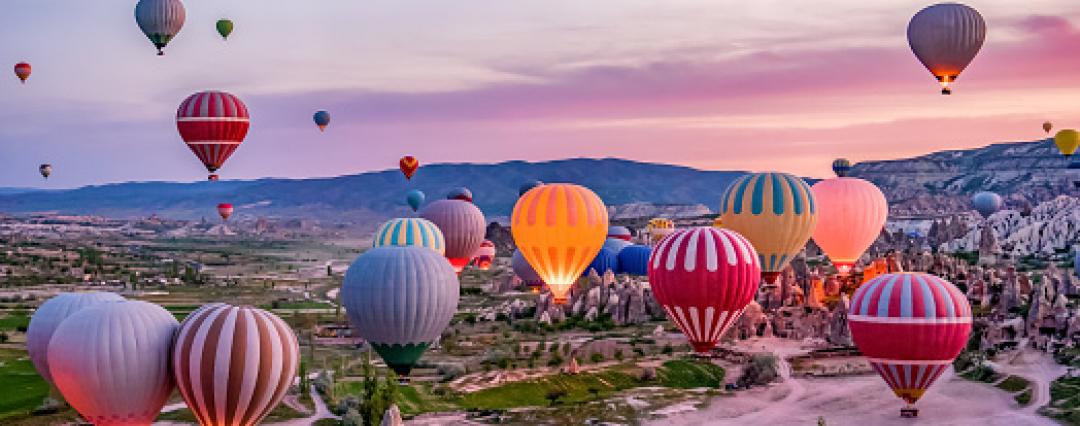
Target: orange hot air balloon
<point>408,165</point>
<point>22,70</point>
<point>559,228</point>
<point>1047,126</point>
<point>851,213</point>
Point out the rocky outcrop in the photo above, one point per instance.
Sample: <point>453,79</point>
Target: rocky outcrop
<point>1050,227</point>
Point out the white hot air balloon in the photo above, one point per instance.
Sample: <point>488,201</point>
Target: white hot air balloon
<point>111,361</point>
<point>160,20</point>
<point>49,315</point>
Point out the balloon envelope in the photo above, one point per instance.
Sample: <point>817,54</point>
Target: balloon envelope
<point>634,260</point>
<point>408,165</point>
<point>910,326</point>
<point>559,228</point>
<point>1067,141</point>
<point>460,193</point>
<point>45,170</point>
<point>463,225</point>
<point>704,278</point>
<point>619,232</point>
<point>225,210</point>
<point>48,317</point>
<point>851,214</point>
<point>111,361</point>
<point>160,20</point>
<point>400,299</point>
<point>322,119</point>
<point>615,245</point>
<point>524,270</point>
<point>1047,126</point>
<point>946,37</point>
<point>776,212</point>
<point>841,166</point>
<point>659,228</point>
<point>986,203</point>
<point>605,260</point>
<point>22,71</point>
<point>213,124</point>
<point>415,198</point>
<point>234,364</point>
<point>224,27</point>
<point>410,231</point>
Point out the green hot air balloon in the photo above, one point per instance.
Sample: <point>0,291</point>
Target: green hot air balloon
<point>224,27</point>
<point>400,298</point>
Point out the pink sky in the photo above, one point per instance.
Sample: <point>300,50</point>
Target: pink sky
<point>778,84</point>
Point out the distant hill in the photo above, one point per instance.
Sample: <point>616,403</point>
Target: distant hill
<point>381,194</point>
<point>1025,173</point>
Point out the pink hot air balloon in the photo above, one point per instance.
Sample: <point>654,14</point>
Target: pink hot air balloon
<point>911,326</point>
<point>484,255</point>
<point>111,361</point>
<point>463,226</point>
<point>234,364</point>
<point>704,278</point>
<point>851,213</point>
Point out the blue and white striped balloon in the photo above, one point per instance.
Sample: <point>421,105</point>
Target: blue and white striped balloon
<point>410,231</point>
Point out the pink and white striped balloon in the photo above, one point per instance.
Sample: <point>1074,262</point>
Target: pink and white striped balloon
<point>704,277</point>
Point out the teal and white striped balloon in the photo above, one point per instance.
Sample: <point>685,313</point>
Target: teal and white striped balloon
<point>410,231</point>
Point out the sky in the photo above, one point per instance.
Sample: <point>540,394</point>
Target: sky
<point>714,84</point>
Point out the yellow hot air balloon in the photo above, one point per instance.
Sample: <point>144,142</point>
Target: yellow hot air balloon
<point>658,228</point>
<point>775,211</point>
<point>718,223</point>
<point>1067,141</point>
<point>559,228</point>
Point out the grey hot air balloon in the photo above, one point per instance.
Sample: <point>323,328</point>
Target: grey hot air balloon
<point>49,315</point>
<point>462,224</point>
<point>525,271</point>
<point>233,364</point>
<point>111,361</point>
<point>946,37</point>
<point>160,20</point>
<point>45,170</point>
<point>400,298</point>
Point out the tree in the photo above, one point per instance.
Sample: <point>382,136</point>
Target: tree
<point>594,391</point>
<point>553,395</point>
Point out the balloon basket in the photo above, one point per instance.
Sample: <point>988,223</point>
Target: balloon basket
<point>909,412</point>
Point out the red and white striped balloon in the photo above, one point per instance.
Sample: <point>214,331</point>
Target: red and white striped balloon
<point>704,277</point>
<point>234,364</point>
<point>213,124</point>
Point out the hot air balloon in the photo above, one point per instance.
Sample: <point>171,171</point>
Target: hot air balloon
<point>986,203</point>
<point>559,228</point>
<point>619,232</point>
<point>322,119</point>
<point>160,20</point>
<point>463,225</point>
<point>111,361</point>
<point>410,231</point>
<point>527,185</point>
<point>1047,126</point>
<point>460,193</point>
<point>525,272</point>
<point>484,255</point>
<point>224,210</point>
<point>415,198</point>
<point>615,245</point>
<point>1067,141</point>
<point>213,124</point>
<point>234,364</point>
<point>718,222</point>
<point>851,214</point>
<point>22,70</point>
<point>224,27</point>
<point>634,260</point>
<point>48,317</point>
<point>45,170</point>
<point>658,228</point>
<point>841,166</point>
<point>775,211</point>
<point>946,37</point>
<point>605,260</point>
<point>703,278</point>
<point>400,299</point>
<point>910,326</point>
<point>408,165</point>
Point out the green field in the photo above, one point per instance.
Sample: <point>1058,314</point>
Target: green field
<point>22,388</point>
<point>681,374</point>
<point>12,322</point>
<point>1065,400</point>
